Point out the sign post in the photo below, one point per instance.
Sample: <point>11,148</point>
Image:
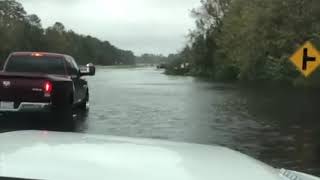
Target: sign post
<point>307,60</point>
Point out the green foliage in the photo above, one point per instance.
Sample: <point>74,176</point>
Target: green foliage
<point>151,59</point>
<point>175,61</point>
<point>252,40</point>
<point>22,32</point>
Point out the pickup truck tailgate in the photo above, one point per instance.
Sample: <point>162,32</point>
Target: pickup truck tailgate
<point>22,88</point>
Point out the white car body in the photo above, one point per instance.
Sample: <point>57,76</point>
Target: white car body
<point>59,156</point>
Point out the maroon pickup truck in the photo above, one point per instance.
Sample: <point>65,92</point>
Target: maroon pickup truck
<point>37,82</point>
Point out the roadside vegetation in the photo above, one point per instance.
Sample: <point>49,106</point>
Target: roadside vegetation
<point>20,31</point>
<point>151,59</point>
<point>240,40</point>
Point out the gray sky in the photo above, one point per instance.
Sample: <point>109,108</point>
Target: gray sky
<point>143,26</point>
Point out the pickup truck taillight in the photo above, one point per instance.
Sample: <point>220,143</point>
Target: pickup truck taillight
<point>47,89</point>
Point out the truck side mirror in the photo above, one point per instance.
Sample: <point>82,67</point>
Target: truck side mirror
<point>88,70</point>
<point>92,69</point>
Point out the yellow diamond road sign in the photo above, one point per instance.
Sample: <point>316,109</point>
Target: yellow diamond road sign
<point>306,59</point>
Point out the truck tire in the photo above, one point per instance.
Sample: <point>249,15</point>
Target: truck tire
<point>62,115</point>
<point>83,104</point>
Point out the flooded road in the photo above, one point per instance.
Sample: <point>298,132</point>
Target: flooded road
<point>277,126</point>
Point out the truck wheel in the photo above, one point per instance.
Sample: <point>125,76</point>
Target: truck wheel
<point>62,116</point>
<point>83,104</point>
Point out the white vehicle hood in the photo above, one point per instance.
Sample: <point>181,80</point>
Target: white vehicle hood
<point>59,156</point>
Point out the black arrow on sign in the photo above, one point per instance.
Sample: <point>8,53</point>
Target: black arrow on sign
<point>306,59</point>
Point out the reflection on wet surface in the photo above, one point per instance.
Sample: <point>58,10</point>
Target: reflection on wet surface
<point>43,121</point>
<point>277,126</point>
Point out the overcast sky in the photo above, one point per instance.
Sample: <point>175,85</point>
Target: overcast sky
<point>143,26</point>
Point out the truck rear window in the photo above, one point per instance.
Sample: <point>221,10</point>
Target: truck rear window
<point>35,64</point>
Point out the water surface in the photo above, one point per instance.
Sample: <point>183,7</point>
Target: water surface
<point>277,126</point>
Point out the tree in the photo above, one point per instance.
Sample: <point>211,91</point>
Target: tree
<point>23,32</point>
<point>251,41</point>
<point>34,20</point>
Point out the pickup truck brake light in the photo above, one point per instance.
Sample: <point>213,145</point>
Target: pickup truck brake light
<point>47,88</point>
<point>36,54</point>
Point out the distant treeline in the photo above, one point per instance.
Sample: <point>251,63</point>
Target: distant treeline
<point>249,40</point>
<point>20,31</point>
<point>151,59</point>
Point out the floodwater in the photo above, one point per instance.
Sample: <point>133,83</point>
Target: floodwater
<point>279,126</point>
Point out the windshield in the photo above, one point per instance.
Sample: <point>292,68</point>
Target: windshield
<point>34,64</point>
<point>241,74</point>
